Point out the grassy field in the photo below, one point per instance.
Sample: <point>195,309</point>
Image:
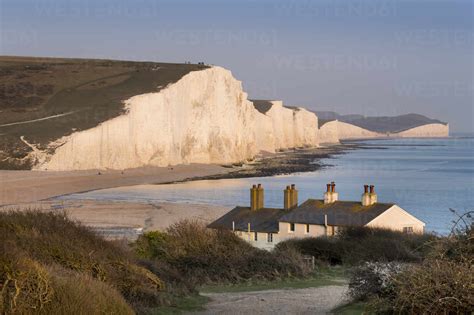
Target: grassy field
<point>44,99</point>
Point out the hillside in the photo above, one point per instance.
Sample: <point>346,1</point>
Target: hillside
<point>44,99</point>
<point>382,124</point>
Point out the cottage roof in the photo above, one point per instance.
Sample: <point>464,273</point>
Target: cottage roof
<point>339,213</point>
<point>261,220</point>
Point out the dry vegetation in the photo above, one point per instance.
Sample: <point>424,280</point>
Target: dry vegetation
<point>203,255</point>
<point>442,283</point>
<point>359,244</point>
<point>51,265</point>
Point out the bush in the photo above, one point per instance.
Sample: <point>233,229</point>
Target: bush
<point>355,245</point>
<point>203,255</point>
<point>372,279</point>
<point>33,242</point>
<point>442,284</point>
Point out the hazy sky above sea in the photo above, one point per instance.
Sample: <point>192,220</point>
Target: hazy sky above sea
<point>371,57</point>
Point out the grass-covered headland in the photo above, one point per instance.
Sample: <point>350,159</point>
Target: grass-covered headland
<point>51,265</point>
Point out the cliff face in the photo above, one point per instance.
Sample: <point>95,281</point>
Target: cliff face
<point>333,131</point>
<point>425,131</point>
<point>292,127</point>
<point>349,131</point>
<point>205,117</point>
<point>328,132</point>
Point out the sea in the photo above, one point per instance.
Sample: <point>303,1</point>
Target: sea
<point>426,177</point>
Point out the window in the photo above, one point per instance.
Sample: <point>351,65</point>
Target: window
<point>292,227</point>
<point>408,229</point>
<point>307,228</point>
<point>255,236</point>
<point>269,237</point>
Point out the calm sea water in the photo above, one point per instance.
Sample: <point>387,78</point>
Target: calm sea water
<point>424,176</point>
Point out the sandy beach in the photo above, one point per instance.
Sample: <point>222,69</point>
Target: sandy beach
<point>22,190</point>
<point>31,186</point>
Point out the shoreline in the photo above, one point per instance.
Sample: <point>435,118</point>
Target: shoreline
<point>35,190</point>
<point>20,187</point>
<point>300,160</point>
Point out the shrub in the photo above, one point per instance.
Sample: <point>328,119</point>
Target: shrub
<point>30,287</point>
<point>435,287</point>
<point>372,278</point>
<point>441,284</point>
<point>356,245</point>
<point>31,242</point>
<point>204,255</point>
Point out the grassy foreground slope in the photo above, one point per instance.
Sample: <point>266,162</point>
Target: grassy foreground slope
<point>44,99</point>
<point>50,265</point>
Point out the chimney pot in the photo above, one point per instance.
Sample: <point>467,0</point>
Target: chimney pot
<point>366,188</point>
<point>333,187</point>
<point>328,187</point>
<point>372,189</point>
<point>293,186</point>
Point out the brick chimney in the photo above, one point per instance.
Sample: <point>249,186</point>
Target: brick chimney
<point>287,198</point>
<point>369,197</point>
<point>256,197</point>
<point>366,196</point>
<point>290,197</point>
<point>373,195</point>
<point>293,196</point>
<point>253,197</point>
<point>330,195</point>
<point>260,196</point>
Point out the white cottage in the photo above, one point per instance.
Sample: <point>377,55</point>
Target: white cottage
<point>264,227</point>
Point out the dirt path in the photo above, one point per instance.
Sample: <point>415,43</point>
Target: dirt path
<point>319,300</point>
<point>35,120</point>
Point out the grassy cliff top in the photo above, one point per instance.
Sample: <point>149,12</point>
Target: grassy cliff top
<point>44,99</point>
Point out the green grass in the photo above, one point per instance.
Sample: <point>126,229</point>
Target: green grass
<point>185,304</point>
<point>353,308</point>
<point>323,277</point>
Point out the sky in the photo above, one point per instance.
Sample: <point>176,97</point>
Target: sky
<point>370,57</point>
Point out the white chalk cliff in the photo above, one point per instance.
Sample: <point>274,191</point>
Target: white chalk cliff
<point>292,127</point>
<point>425,131</point>
<point>333,131</point>
<point>205,117</point>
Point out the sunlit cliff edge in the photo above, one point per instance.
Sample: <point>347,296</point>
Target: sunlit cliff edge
<point>78,114</point>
